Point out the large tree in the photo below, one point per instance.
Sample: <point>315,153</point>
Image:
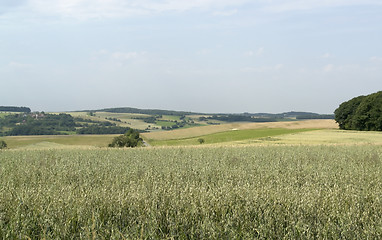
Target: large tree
<point>361,113</point>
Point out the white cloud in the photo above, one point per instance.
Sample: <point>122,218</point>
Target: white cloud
<point>126,55</point>
<point>204,52</point>
<point>376,59</point>
<point>88,9</point>
<point>263,69</point>
<point>326,55</point>
<point>328,68</point>
<point>260,51</point>
<point>251,53</point>
<point>118,58</point>
<point>298,5</point>
<point>100,9</point>
<point>18,65</point>
<point>225,13</point>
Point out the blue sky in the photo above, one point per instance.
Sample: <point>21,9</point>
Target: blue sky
<point>195,55</point>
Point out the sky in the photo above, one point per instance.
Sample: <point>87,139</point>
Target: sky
<point>212,56</point>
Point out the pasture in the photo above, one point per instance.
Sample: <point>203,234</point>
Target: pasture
<point>213,192</point>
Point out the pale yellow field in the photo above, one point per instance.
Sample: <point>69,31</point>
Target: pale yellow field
<point>204,130</point>
<point>58,141</point>
<point>321,137</point>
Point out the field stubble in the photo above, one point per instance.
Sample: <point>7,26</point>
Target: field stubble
<point>274,192</point>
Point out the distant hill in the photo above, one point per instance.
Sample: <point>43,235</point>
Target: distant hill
<point>144,111</point>
<point>292,114</point>
<point>14,109</point>
<point>222,116</point>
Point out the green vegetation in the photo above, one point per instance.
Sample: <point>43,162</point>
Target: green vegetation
<point>3,144</point>
<point>228,136</point>
<point>14,109</point>
<point>145,111</point>
<point>361,113</point>
<point>36,124</point>
<point>55,124</point>
<point>102,130</point>
<point>130,139</point>
<point>297,192</point>
<point>237,118</point>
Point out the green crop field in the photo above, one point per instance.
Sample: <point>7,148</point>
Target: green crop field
<point>228,136</point>
<point>247,192</point>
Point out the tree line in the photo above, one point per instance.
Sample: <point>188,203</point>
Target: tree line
<point>54,124</point>
<point>14,109</point>
<point>361,113</point>
<point>237,118</point>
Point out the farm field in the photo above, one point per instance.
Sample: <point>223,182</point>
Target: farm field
<point>58,141</point>
<point>205,130</point>
<point>127,119</point>
<point>215,192</point>
<point>132,120</point>
<point>277,133</point>
<point>228,136</point>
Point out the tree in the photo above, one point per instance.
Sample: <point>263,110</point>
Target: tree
<point>201,140</point>
<point>3,144</point>
<point>130,139</point>
<point>361,113</point>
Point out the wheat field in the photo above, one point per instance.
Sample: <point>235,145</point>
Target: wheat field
<point>240,192</point>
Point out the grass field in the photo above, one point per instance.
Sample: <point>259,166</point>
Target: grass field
<point>247,192</point>
<point>282,180</point>
<point>205,130</point>
<point>228,136</point>
<point>59,141</point>
<point>279,133</point>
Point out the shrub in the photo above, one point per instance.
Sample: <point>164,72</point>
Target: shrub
<point>129,139</point>
<point>3,144</point>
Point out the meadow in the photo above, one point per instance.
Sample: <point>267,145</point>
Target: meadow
<point>238,192</point>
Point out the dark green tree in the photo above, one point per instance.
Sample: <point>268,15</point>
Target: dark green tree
<point>3,144</point>
<point>361,113</point>
<point>130,139</point>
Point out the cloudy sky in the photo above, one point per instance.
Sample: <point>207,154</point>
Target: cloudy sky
<point>195,55</point>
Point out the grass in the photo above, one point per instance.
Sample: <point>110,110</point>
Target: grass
<point>165,123</point>
<point>58,140</point>
<point>228,136</point>
<point>170,117</point>
<point>273,192</point>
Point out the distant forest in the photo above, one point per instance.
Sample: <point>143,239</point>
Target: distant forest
<point>144,111</point>
<point>54,124</point>
<point>14,109</point>
<point>261,117</point>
